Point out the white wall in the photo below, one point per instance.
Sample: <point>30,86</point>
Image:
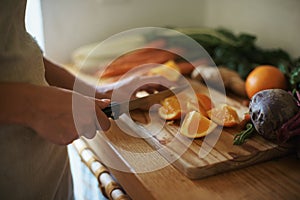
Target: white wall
<point>69,24</point>
<point>34,21</point>
<point>276,23</point>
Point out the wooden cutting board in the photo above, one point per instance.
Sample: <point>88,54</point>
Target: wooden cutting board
<point>196,158</point>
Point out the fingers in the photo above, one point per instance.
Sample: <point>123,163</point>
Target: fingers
<point>102,122</point>
<point>102,103</point>
<point>102,95</point>
<point>89,117</point>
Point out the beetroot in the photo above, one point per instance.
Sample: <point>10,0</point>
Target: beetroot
<point>270,109</point>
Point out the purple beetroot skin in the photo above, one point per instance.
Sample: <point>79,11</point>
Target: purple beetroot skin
<point>270,109</point>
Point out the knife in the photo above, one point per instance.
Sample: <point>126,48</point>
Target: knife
<point>114,110</point>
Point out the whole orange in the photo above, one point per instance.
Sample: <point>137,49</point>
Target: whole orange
<point>264,77</point>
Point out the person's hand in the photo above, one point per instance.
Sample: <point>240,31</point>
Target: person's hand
<point>61,116</point>
<point>128,87</point>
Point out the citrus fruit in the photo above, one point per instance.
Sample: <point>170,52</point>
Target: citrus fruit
<point>224,115</point>
<point>169,70</point>
<point>204,101</point>
<point>196,125</point>
<point>264,77</point>
<point>170,108</point>
<point>245,120</point>
<point>202,105</point>
<point>195,106</point>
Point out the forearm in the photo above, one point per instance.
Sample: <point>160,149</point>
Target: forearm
<point>60,77</point>
<point>49,111</point>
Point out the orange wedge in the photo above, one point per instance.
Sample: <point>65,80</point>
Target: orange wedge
<point>194,106</point>
<point>224,115</point>
<point>202,105</point>
<point>204,101</point>
<point>170,109</point>
<point>195,125</point>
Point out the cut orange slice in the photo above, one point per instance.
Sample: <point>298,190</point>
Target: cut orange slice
<point>195,125</point>
<point>202,105</point>
<point>170,109</point>
<point>224,115</point>
<point>204,101</point>
<point>194,106</point>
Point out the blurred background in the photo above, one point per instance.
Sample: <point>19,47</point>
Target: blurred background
<point>61,26</point>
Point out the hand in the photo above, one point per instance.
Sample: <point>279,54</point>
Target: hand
<point>128,87</point>
<point>61,116</point>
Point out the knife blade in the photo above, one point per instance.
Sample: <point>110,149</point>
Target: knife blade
<point>114,110</point>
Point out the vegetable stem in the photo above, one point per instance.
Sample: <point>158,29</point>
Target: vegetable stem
<point>243,135</point>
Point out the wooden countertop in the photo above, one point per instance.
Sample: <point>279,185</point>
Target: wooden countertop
<point>275,179</point>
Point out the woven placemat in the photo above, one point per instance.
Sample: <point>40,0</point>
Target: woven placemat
<point>108,186</point>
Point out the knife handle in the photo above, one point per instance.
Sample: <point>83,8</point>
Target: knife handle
<point>112,111</point>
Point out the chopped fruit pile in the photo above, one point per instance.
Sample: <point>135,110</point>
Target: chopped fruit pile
<point>172,110</point>
<point>201,117</point>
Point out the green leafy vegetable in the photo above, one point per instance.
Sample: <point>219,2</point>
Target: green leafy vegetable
<point>241,53</point>
<point>236,51</point>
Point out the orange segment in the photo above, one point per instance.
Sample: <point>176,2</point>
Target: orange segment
<point>224,115</point>
<point>194,106</point>
<point>204,101</point>
<point>195,125</point>
<point>245,120</point>
<point>170,109</point>
<point>169,114</point>
<point>202,105</point>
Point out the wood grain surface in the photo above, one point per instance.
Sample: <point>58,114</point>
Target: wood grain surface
<point>274,179</point>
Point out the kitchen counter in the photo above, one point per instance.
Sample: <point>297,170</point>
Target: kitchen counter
<point>274,179</point>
